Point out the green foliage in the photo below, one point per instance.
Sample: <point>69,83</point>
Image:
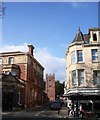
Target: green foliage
<point>59,88</point>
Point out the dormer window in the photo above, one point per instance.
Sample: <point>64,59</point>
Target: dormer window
<point>94,37</point>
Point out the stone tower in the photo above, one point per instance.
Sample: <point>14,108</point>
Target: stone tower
<point>50,86</point>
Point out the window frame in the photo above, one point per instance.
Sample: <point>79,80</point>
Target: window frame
<point>80,56</point>
<point>94,55</point>
<point>73,57</point>
<point>10,60</point>
<point>95,37</point>
<point>74,81</point>
<point>96,78</point>
<point>81,81</point>
<point>1,61</point>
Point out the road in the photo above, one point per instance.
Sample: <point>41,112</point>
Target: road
<point>38,114</point>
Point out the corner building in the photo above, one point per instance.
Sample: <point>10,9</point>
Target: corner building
<point>83,70</point>
<point>29,73</point>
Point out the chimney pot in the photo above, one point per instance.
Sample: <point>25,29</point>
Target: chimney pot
<point>31,48</point>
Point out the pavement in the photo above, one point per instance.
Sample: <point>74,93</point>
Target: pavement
<point>34,112</point>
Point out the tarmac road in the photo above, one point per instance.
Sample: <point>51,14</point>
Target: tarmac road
<point>43,113</point>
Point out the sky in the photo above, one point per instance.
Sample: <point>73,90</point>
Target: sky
<point>49,26</point>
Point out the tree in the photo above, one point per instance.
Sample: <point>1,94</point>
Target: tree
<point>59,88</point>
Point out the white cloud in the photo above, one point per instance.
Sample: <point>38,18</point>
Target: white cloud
<point>10,48</point>
<point>78,4</point>
<point>52,64</point>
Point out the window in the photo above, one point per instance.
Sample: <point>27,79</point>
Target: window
<point>30,95</point>
<point>35,94</point>
<point>79,55</point>
<point>74,82</point>
<point>11,60</point>
<point>94,54</point>
<point>94,37</point>
<point>80,76</point>
<point>96,76</point>
<point>0,61</point>
<point>73,57</point>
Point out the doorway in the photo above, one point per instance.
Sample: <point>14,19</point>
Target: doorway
<point>7,101</point>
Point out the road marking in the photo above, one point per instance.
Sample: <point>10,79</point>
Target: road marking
<point>39,113</point>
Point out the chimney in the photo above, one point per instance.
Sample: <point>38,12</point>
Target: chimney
<point>30,51</point>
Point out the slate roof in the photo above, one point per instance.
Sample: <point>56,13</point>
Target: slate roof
<point>80,37</point>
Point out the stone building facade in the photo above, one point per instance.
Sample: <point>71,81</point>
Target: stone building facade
<point>83,69</point>
<point>50,86</point>
<point>25,67</point>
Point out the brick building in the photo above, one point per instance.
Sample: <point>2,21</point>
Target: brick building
<point>83,69</point>
<point>25,67</point>
<point>50,86</point>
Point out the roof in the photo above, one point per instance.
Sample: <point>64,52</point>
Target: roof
<point>79,37</point>
<point>86,38</point>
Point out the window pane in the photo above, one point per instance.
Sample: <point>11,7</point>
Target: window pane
<point>81,76</point>
<point>79,56</point>
<point>94,37</point>
<point>74,82</point>
<point>0,60</point>
<point>94,54</point>
<point>73,57</point>
<point>11,60</point>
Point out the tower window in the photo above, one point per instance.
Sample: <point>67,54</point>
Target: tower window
<point>80,55</point>
<point>73,59</point>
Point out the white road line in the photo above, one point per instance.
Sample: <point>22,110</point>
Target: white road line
<point>39,113</point>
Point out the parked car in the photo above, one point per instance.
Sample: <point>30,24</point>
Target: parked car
<point>60,101</point>
<point>55,105</point>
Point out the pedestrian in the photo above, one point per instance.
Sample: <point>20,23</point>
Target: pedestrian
<point>81,111</point>
<point>68,109</point>
<point>58,110</point>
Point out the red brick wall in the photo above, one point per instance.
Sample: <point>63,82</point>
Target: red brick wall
<point>23,70</point>
<point>50,86</point>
